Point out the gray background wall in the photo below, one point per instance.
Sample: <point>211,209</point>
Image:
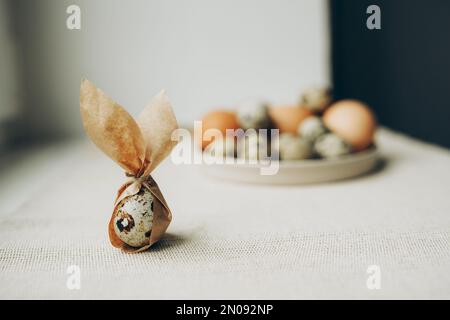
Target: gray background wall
<point>205,53</point>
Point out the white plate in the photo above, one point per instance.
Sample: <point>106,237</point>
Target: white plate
<point>299,172</point>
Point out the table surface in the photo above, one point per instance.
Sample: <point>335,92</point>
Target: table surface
<point>228,240</point>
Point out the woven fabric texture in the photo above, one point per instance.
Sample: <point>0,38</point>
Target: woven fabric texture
<point>230,240</point>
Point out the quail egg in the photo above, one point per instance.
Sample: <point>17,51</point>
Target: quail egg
<point>316,99</point>
<point>253,115</point>
<point>331,145</point>
<point>311,128</point>
<point>253,147</point>
<point>134,219</point>
<point>292,147</point>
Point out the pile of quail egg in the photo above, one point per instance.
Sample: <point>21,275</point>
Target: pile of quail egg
<point>322,142</point>
<point>313,140</point>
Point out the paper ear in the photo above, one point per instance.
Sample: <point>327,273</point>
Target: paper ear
<point>157,122</point>
<point>111,128</point>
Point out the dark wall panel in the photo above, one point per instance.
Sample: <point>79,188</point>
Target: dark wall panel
<point>402,70</point>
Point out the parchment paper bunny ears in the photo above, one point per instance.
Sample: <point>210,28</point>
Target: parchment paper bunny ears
<point>137,146</point>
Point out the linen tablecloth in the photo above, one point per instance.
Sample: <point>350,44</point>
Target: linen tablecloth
<point>228,240</point>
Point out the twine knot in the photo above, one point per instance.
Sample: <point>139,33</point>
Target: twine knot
<point>133,178</point>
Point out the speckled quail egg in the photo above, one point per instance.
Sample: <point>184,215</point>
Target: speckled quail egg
<point>133,219</point>
<point>311,128</point>
<point>292,147</point>
<point>221,148</point>
<point>253,115</point>
<point>331,145</point>
<point>316,99</point>
<point>253,147</point>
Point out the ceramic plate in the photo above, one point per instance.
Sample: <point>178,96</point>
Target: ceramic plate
<point>298,172</point>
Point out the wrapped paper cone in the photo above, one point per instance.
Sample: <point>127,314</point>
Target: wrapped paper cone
<point>138,147</point>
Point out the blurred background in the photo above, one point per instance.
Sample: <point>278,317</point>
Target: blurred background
<point>204,53</point>
<point>401,70</point>
<point>216,53</point>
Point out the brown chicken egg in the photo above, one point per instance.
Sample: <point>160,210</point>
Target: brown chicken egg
<point>288,118</point>
<point>218,119</point>
<point>353,121</point>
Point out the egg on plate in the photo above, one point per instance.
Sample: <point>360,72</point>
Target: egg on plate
<point>353,121</point>
<point>220,120</point>
<point>288,118</point>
